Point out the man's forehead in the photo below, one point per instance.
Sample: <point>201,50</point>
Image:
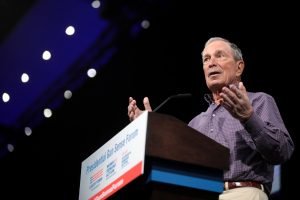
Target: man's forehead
<point>216,46</point>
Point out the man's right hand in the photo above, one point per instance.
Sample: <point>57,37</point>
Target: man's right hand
<point>133,109</point>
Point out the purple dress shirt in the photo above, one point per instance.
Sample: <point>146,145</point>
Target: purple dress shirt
<point>256,145</point>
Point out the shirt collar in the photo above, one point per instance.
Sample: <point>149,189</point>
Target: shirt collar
<point>209,99</point>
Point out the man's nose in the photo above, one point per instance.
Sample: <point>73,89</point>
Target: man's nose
<point>212,62</point>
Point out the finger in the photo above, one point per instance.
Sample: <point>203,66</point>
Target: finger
<point>130,111</point>
<point>238,93</point>
<point>130,99</point>
<point>242,88</point>
<point>147,104</point>
<point>227,106</point>
<point>131,105</point>
<point>131,115</point>
<point>226,99</point>
<point>229,95</point>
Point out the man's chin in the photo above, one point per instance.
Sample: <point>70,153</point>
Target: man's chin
<point>215,86</point>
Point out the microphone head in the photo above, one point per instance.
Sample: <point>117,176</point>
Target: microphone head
<point>184,95</point>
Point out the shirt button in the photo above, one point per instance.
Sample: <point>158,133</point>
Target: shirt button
<point>211,130</point>
<point>213,115</point>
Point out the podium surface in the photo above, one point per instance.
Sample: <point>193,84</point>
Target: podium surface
<point>174,161</point>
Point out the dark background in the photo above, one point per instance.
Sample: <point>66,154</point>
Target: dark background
<point>161,61</point>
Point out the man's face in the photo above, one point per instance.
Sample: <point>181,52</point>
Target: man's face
<point>220,67</point>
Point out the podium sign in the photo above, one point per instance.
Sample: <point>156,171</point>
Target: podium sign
<point>116,163</point>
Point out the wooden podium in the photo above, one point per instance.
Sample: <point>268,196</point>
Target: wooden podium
<point>181,163</point>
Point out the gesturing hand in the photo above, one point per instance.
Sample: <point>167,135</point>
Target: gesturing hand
<point>133,109</point>
<point>236,101</point>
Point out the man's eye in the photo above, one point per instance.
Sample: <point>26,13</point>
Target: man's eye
<point>219,55</point>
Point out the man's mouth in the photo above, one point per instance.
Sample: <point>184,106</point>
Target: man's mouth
<point>213,73</point>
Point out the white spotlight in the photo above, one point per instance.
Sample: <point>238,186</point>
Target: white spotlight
<point>96,4</point>
<point>47,112</point>
<point>5,97</point>
<point>24,78</point>
<point>91,73</point>
<point>70,30</point>
<point>68,94</point>
<point>10,147</point>
<point>145,24</point>
<point>28,131</point>
<point>46,55</point>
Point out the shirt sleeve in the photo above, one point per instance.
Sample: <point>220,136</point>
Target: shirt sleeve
<point>268,131</point>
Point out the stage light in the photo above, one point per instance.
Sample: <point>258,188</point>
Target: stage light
<point>24,78</point>
<point>70,30</point>
<point>47,112</point>
<point>67,94</point>
<point>10,147</point>
<point>46,55</point>
<point>145,24</point>
<point>96,4</point>
<point>5,97</point>
<point>91,73</point>
<point>27,131</point>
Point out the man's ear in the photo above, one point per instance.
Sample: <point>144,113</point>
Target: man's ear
<point>240,68</point>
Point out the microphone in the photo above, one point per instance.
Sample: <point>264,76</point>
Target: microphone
<point>184,95</point>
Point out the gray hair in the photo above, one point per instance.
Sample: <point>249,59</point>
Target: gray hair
<point>237,53</point>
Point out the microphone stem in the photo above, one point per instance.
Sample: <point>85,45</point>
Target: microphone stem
<point>160,105</point>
